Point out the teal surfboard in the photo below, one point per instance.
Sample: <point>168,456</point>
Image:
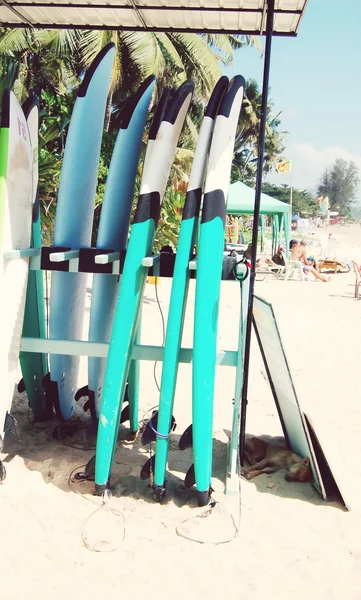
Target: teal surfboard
<point>34,366</point>
<point>130,412</point>
<point>73,224</point>
<point>16,204</point>
<point>154,181</point>
<point>208,280</point>
<point>159,426</point>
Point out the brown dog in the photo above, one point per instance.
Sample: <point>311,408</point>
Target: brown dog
<point>267,458</point>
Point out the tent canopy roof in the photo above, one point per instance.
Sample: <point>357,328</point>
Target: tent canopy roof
<point>209,16</point>
<point>241,201</point>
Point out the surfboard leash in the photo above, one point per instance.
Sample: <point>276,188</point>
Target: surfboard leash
<point>208,512</point>
<point>163,331</point>
<point>104,505</point>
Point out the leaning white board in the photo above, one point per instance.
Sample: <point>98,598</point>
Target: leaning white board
<point>17,203</point>
<point>284,393</point>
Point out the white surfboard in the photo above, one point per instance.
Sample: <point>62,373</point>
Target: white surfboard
<point>16,205</point>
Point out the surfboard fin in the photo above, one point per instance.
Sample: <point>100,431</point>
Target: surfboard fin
<point>125,416</point>
<point>190,478</point>
<point>90,403</point>
<point>147,468</point>
<point>11,425</point>
<point>150,432</point>
<point>21,386</point>
<point>89,473</point>
<point>186,439</point>
<point>83,391</point>
<point>52,395</point>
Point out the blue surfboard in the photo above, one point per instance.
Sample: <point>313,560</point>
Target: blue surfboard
<point>73,225</point>
<point>113,229</point>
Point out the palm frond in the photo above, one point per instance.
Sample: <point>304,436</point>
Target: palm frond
<point>14,41</point>
<point>61,42</point>
<point>197,58</point>
<point>91,42</point>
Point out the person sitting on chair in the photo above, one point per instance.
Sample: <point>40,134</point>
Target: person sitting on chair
<point>309,260</point>
<point>263,260</point>
<point>298,252</point>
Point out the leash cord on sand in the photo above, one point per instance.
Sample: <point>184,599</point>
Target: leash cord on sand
<point>213,502</point>
<point>206,514</point>
<point>105,499</point>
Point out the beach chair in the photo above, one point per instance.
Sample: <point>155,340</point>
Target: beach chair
<point>263,272</point>
<point>356,269</point>
<point>332,264</point>
<point>293,270</point>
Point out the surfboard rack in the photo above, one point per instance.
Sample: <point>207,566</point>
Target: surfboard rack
<point>25,253</point>
<point>58,257</point>
<point>94,260</point>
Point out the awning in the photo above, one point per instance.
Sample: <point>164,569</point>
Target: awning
<point>241,201</point>
<point>204,16</point>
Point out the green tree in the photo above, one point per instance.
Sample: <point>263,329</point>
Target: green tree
<point>246,147</point>
<point>340,183</point>
<point>303,202</point>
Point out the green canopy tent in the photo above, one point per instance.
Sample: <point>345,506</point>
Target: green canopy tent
<point>241,202</point>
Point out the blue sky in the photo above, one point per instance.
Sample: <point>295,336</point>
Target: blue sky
<point>315,80</point>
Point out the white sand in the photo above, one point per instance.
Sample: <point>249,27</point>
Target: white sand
<point>291,543</point>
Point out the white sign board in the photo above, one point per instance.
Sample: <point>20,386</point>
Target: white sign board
<point>284,393</point>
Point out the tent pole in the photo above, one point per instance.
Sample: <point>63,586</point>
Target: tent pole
<point>261,145</point>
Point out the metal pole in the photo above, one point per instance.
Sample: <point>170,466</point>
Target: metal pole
<point>261,144</point>
<point>291,199</point>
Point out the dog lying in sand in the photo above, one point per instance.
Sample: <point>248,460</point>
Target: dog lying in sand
<point>263,457</point>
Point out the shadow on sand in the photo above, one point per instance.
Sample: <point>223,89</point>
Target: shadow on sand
<point>59,459</point>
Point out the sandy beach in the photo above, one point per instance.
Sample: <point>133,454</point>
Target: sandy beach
<point>291,544</point>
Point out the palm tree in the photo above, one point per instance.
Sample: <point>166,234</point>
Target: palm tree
<point>246,145</point>
<point>59,56</point>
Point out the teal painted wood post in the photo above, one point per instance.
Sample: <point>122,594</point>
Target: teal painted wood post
<point>234,442</point>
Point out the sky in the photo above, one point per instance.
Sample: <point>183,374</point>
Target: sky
<point>315,81</point>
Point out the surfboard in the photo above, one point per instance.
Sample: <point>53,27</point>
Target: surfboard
<point>208,280</point>
<point>161,421</point>
<point>154,181</point>
<point>113,229</point>
<point>34,366</point>
<point>73,223</point>
<point>16,204</point>
<point>130,412</point>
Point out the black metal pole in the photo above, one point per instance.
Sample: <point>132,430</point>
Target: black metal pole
<point>261,144</point>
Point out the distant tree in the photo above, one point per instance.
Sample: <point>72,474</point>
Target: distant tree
<point>303,202</point>
<point>340,183</point>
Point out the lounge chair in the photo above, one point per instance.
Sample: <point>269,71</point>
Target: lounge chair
<point>263,272</point>
<point>333,264</point>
